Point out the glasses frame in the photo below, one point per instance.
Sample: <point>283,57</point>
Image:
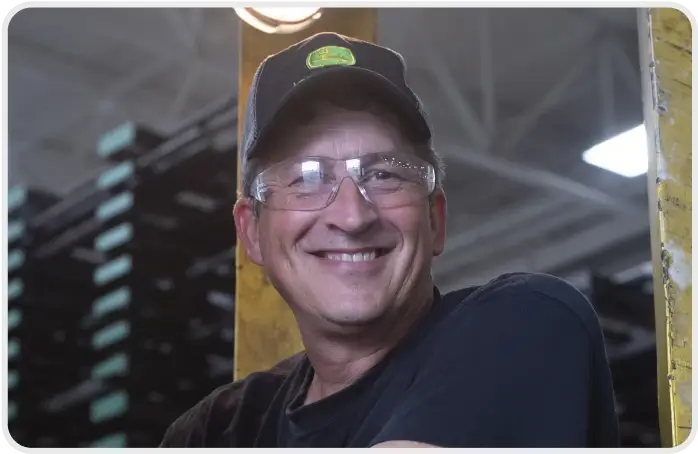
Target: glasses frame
<point>258,187</point>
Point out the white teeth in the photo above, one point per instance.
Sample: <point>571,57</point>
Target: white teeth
<point>356,257</point>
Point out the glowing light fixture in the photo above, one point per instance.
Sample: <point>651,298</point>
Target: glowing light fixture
<point>279,20</point>
<point>625,154</point>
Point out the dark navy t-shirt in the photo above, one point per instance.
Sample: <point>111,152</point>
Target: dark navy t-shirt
<point>518,362</point>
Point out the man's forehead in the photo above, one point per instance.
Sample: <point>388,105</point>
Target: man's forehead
<point>345,131</point>
<point>343,142</point>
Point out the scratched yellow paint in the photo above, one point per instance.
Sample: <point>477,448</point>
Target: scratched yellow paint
<point>666,43</point>
<point>265,329</point>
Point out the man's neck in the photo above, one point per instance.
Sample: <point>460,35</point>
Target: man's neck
<point>338,361</point>
<point>333,373</point>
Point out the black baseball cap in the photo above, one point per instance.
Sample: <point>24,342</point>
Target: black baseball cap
<point>328,60</point>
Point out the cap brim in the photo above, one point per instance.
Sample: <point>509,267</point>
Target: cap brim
<point>352,78</point>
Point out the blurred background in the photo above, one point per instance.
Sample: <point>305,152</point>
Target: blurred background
<point>122,151</point>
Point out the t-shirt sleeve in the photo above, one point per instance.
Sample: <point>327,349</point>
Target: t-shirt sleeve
<point>187,430</point>
<point>230,415</point>
<point>191,428</point>
<point>512,367</point>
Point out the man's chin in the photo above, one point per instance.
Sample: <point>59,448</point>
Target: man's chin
<point>348,313</point>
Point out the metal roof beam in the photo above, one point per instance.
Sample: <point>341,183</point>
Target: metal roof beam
<point>487,77</point>
<point>509,229</point>
<point>173,52</point>
<point>537,178</point>
<point>523,125</point>
<point>123,86</point>
<point>558,254</point>
<point>435,60</point>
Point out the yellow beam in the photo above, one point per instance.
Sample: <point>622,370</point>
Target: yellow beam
<point>666,45</point>
<point>265,330</point>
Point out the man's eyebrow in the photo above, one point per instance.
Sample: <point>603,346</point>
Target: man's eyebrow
<point>370,158</point>
<point>396,155</point>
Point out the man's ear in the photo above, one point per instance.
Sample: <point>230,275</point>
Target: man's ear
<point>247,227</point>
<point>437,214</point>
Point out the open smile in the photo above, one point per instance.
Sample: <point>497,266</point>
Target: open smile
<point>360,255</point>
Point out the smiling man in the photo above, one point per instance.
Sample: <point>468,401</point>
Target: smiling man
<point>343,207</point>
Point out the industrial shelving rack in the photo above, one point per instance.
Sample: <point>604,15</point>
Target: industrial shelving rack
<point>124,289</point>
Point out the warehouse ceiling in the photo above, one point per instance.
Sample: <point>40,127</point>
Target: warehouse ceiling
<point>515,95</point>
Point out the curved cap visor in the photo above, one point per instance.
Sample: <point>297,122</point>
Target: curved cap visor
<point>351,79</point>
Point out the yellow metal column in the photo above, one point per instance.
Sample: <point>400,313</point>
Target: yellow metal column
<point>666,46</point>
<point>265,330</point>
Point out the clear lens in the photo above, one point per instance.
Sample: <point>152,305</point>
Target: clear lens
<point>310,183</point>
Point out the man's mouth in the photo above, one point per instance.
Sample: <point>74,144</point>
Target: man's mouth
<point>352,256</point>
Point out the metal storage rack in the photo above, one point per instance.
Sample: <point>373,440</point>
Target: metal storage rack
<point>124,289</point>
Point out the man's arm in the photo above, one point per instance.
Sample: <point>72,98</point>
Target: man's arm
<point>189,429</point>
<point>192,428</point>
<point>222,418</point>
<point>513,369</point>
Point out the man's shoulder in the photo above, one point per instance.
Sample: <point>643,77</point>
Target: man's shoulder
<point>511,290</point>
<point>530,298</point>
<point>206,423</point>
<point>548,284</point>
<point>511,362</point>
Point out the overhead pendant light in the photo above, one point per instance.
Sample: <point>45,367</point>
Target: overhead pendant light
<point>279,20</point>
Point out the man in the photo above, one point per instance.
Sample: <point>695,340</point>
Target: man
<point>343,207</point>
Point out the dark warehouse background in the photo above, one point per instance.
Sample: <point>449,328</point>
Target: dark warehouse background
<point>122,152</point>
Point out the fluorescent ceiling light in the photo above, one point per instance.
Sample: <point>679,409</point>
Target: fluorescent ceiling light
<point>625,154</point>
<point>279,20</point>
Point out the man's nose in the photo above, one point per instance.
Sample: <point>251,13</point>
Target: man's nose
<point>350,211</point>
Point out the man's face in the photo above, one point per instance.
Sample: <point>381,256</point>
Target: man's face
<point>310,256</point>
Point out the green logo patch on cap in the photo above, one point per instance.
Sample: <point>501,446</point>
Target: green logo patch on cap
<point>330,56</point>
